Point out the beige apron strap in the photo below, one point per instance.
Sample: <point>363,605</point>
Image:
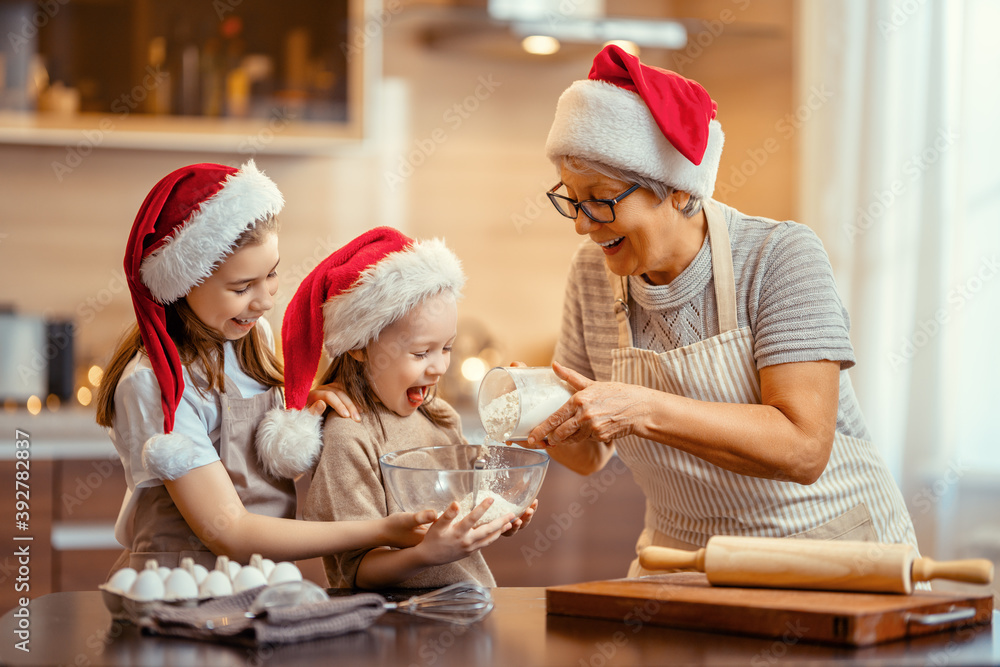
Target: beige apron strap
<point>619,286</point>
<point>232,390</point>
<point>722,272</point>
<point>722,268</point>
<point>259,492</point>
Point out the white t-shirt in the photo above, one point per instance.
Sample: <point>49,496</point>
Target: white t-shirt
<point>139,416</point>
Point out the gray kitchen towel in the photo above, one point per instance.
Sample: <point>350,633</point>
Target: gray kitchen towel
<point>279,625</point>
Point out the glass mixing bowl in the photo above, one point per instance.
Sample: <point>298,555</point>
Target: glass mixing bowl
<point>432,477</point>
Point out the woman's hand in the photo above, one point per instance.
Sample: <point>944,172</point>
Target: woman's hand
<point>335,396</point>
<point>788,436</point>
<point>450,539</point>
<point>523,520</point>
<point>407,529</point>
<point>598,411</point>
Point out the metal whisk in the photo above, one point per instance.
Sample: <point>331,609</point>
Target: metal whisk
<point>463,602</point>
<point>298,601</point>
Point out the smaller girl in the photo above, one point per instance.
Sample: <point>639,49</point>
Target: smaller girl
<point>187,387</point>
<point>384,308</point>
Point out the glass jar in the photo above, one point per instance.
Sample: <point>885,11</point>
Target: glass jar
<point>514,400</point>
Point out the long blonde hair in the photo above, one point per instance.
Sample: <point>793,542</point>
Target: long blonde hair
<point>196,342</point>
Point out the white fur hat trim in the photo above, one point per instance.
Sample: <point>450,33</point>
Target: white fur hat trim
<point>599,121</point>
<point>386,291</point>
<point>289,442</point>
<point>193,252</point>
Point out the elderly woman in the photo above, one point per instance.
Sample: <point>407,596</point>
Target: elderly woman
<point>708,348</point>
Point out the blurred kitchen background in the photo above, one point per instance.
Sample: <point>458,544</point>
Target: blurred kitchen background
<point>872,122</point>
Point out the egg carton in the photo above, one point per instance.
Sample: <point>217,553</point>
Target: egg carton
<point>129,594</point>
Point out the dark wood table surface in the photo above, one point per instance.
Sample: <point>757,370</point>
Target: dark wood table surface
<point>76,629</point>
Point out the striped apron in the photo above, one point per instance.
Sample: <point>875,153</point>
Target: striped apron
<point>688,500</point>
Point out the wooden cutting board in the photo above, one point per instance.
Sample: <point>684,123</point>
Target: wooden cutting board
<point>686,600</point>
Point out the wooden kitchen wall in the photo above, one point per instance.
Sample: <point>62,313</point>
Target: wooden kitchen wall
<point>483,186</point>
<point>465,131</point>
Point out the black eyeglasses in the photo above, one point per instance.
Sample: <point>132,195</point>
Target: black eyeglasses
<point>598,210</point>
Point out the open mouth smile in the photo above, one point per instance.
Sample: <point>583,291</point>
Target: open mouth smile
<point>416,395</point>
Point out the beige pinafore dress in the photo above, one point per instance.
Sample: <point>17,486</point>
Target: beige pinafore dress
<point>688,500</point>
<point>158,529</point>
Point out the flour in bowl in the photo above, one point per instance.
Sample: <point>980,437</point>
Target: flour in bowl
<point>500,507</point>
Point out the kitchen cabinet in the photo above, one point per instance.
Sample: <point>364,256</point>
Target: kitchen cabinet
<point>51,439</point>
<point>69,533</point>
<point>75,485</point>
<point>25,564</point>
<point>244,76</point>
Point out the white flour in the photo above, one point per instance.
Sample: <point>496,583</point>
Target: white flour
<point>499,508</point>
<point>506,417</point>
<point>500,416</point>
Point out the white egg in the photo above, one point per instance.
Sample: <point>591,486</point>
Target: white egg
<point>147,586</point>
<point>234,569</point>
<point>284,571</point>
<point>265,565</point>
<point>180,585</point>
<point>164,572</point>
<point>216,584</point>
<point>200,572</point>
<point>122,580</point>
<point>247,578</point>
<point>197,572</point>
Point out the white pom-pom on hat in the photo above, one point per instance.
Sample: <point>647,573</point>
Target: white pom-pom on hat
<point>168,456</point>
<point>289,442</point>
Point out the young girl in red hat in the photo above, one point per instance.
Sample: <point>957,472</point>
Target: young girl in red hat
<point>384,309</point>
<point>189,384</point>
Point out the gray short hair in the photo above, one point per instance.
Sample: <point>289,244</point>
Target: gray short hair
<point>581,165</point>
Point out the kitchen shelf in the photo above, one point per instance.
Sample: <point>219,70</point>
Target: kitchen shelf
<point>83,133</point>
<point>240,76</point>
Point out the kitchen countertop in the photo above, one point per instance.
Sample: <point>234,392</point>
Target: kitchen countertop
<point>69,433</point>
<point>76,629</point>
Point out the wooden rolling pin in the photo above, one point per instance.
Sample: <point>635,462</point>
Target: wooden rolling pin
<point>814,564</point>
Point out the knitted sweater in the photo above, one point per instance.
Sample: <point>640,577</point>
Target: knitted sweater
<point>347,485</point>
<point>785,293</point>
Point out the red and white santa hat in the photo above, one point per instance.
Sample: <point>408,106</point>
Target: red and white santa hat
<point>640,118</point>
<point>188,224</point>
<point>355,293</point>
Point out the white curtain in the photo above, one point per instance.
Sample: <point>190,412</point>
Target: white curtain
<point>900,177</point>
